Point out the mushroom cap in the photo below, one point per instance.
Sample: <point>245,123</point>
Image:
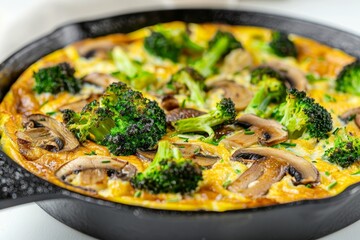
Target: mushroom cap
<point>357,120</point>
<point>169,102</point>
<point>102,80</point>
<point>303,171</point>
<point>237,60</point>
<point>295,78</point>
<point>182,113</point>
<point>44,132</point>
<point>99,48</point>
<point>257,180</point>
<point>70,141</point>
<point>77,106</point>
<point>190,151</point>
<point>239,94</point>
<point>105,167</point>
<point>266,132</point>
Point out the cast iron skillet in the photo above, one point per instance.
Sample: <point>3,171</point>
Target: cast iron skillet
<point>107,220</point>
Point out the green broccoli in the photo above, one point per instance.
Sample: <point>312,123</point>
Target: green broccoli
<point>193,83</point>
<point>224,113</point>
<point>282,46</point>
<point>169,43</point>
<point>130,71</point>
<point>169,172</point>
<point>345,151</point>
<point>348,80</point>
<point>300,114</point>
<point>260,73</point>
<point>219,46</point>
<point>122,120</point>
<point>271,89</point>
<point>56,79</point>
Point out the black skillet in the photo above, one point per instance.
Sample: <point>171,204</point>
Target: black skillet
<point>107,220</point>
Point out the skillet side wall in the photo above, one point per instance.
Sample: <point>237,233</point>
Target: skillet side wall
<point>302,220</point>
<point>298,222</point>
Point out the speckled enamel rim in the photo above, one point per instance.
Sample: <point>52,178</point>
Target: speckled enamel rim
<point>17,180</point>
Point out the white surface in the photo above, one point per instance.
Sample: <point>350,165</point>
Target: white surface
<point>22,21</point>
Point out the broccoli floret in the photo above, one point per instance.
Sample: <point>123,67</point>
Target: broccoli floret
<point>130,71</point>
<point>169,43</point>
<point>282,46</point>
<point>300,114</point>
<point>157,44</point>
<point>56,79</point>
<point>345,151</point>
<point>348,80</point>
<point>168,173</point>
<point>220,45</point>
<point>224,113</point>
<point>262,72</point>
<point>271,90</point>
<point>193,83</point>
<point>122,120</point>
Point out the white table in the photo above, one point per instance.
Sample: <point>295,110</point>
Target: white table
<point>22,21</point>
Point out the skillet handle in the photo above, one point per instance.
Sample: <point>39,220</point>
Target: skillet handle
<point>18,186</point>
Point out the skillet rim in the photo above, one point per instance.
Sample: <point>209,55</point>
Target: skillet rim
<point>348,192</point>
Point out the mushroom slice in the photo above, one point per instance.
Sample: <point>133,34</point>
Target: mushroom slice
<point>357,120</point>
<point>182,113</point>
<point>41,137</point>
<point>295,78</point>
<point>240,95</point>
<point>237,60</point>
<point>257,180</point>
<point>303,172</point>
<point>93,172</point>
<point>189,151</point>
<point>102,80</point>
<point>169,102</point>
<point>263,131</point>
<point>58,128</point>
<point>354,112</point>
<point>99,48</point>
<point>44,132</point>
<point>80,104</point>
<point>349,114</point>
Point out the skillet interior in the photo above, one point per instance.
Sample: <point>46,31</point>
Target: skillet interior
<point>139,221</point>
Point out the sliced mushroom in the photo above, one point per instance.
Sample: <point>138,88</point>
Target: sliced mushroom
<point>169,102</point>
<point>354,112</point>
<point>240,95</point>
<point>294,77</point>
<point>181,113</point>
<point>259,130</point>
<point>303,172</point>
<point>189,151</point>
<point>79,105</point>
<point>102,80</point>
<point>99,48</point>
<point>237,60</point>
<point>357,120</point>
<point>44,132</point>
<point>43,138</point>
<point>257,180</point>
<point>93,172</point>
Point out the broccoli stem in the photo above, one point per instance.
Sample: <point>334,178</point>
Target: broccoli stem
<point>99,131</point>
<point>211,57</point>
<point>202,123</point>
<point>196,93</point>
<point>123,62</point>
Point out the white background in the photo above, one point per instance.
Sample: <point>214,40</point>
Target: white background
<point>22,21</point>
